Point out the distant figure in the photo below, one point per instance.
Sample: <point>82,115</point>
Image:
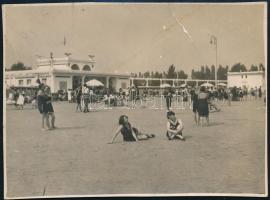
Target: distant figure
<point>133,95</point>
<point>256,93</point>
<point>260,92</point>
<point>79,98</point>
<point>203,108</point>
<point>129,133</point>
<point>34,102</point>
<point>49,106</point>
<point>16,96</point>
<point>168,96</point>
<point>20,101</point>
<point>69,96</point>
<point>194,98</point>
<point>86,97</point>
<point>42,107</point>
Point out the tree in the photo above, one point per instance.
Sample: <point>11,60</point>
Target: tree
<point>146,74</point>
<point>19,66</point>
<point>222,72</point>
<point>202,73</point>
<point>207,73</point>
<point>253,68</point>
<point>164,75</point>
<point>238,67</point>
<point>171,72</point>
<point>261,67</point>
<point>182,74</point>
<point>193,74</point>
<point>213,72</point>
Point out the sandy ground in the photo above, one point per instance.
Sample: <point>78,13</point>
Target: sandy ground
<point>75,159</point>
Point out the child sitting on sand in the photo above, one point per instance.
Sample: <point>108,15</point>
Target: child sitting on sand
<point>174,127</point>
<point>129,133</point>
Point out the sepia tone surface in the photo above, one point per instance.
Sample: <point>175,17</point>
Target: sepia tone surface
<point>135,37</point>
<point>76,159</point>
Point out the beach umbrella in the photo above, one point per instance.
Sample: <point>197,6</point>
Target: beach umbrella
<point>207,85</point>
<point>222,84</point>
<point>94,83</point>
<point>183,85</point>
<point>165,85</point>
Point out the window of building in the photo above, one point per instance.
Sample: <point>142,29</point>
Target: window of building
<point>28,82</point>
<point>20,82</point>
<point>44,80</point>
<point>75,67</point>
<point>86,68</point>
<point>124,85</point>
<point>63,85</point>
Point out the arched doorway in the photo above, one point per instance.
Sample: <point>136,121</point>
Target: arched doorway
<point>76,82</point>
<point>75,67</point>
<point>86,68</point>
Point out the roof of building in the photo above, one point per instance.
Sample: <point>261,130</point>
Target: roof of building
<point>63,70</point>
<point>245,73</point>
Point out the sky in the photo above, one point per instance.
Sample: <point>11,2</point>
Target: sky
<point>136,37</point>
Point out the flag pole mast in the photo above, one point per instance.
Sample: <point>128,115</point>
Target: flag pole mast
<point>216,68</point>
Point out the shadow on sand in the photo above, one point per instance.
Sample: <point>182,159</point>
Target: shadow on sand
<point>70,128</point>
<point>216,123</point>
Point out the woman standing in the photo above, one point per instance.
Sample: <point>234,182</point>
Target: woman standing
<point>48,100</point>
<point>79,98</point>
<point>42,107</point>
<point>20,101</point>
<point>203,108</point>
<point>194,99</point>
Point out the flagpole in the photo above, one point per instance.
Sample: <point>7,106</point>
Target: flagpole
<point>216,68</point>
<point>213,40</point>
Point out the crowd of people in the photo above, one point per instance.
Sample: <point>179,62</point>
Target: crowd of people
<point>87,97</point>
<point>201,100</point>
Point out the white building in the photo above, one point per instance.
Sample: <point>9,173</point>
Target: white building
<point>63,74</point>
<point>247,79</point>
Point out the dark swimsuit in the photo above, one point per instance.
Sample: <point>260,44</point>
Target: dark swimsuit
<point>126,132</point>
<point>48,108</point>
<point>173,127</point>
<point>41,104</point>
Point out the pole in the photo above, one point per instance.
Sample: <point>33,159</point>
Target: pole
<point>216,68</point>
<point>51,73</point>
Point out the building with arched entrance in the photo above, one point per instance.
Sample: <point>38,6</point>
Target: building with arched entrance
<point>64,74</point>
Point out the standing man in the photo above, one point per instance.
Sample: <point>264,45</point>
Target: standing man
<point>260,92</point>
<point>168,96</point>
<point>69,96</point>
<point>86,96</point>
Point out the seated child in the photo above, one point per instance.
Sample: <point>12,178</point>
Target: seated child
<point>174,127</point>
<point>129,133</point>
